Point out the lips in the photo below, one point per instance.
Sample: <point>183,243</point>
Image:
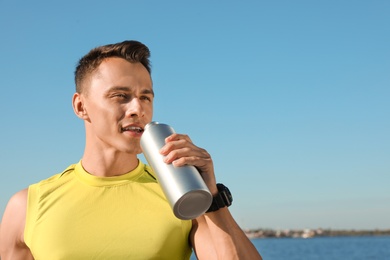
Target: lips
<point>136,129</point>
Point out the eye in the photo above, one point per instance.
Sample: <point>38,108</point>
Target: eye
<point>120,95</point>
<point>146,98</point>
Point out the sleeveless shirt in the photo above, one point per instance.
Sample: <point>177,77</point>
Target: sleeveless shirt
<point>75,215</point>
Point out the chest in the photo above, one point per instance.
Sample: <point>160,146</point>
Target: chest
<point>125,222</point>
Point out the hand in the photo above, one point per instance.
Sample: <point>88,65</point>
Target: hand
<point>179,150</point>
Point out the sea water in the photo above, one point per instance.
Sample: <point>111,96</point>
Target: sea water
<point>318,248</point>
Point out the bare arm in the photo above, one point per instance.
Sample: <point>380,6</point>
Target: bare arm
<point>12,245</point>
<point>215,235</point>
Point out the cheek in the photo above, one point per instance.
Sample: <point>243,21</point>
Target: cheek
<point>149,111</point>
<point>106,115</point>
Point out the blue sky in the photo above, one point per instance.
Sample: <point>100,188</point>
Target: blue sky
<point>291,98</point>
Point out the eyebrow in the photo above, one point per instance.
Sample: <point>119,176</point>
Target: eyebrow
<point>121,88</point>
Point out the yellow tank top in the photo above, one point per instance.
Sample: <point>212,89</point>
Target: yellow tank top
<point>75,215</point>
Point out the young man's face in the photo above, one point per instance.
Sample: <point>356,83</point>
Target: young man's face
<point>119,103</point>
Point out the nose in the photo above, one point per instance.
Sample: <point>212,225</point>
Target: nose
<point>135,108</point>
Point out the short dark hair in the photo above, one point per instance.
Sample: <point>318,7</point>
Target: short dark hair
<point>132,51</point>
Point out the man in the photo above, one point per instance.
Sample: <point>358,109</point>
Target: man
<point>109,205</point>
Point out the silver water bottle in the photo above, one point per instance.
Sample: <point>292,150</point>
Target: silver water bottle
<point>183,186</point>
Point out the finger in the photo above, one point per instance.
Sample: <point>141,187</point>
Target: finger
<point>188,156</point>
<point>176,137</point>
<point>176,142</point>
<point>175,154</point>
<point>172,145</point>
<point>202,163</point>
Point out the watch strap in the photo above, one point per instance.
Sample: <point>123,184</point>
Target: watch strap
<point>222,199</point>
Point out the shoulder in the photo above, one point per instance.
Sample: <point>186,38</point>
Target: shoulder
<point>19,198</point>
<point>52,182</point>
<point>12,226</point>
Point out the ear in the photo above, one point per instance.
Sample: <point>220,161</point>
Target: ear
<point>79,106</point>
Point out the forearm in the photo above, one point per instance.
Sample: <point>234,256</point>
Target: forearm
<point>227,238</point>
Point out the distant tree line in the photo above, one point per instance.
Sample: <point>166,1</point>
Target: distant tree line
<point>308,233</point>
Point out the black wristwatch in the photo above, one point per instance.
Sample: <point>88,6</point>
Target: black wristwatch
<point>222,199</point>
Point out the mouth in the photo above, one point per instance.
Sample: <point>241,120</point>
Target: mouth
<point>135,129</point>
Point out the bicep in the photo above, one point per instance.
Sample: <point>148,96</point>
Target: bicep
<point>12,244</point>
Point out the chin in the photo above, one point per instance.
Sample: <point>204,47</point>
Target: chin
<point>133,148</point>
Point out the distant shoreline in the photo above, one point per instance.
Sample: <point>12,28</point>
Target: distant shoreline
<point>309,233</point>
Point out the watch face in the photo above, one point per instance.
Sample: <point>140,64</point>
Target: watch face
<point>223,199</point>
<point>229,195</point>
<point>226,195</point>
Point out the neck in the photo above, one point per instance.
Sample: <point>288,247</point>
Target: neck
<point>108,163</point>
